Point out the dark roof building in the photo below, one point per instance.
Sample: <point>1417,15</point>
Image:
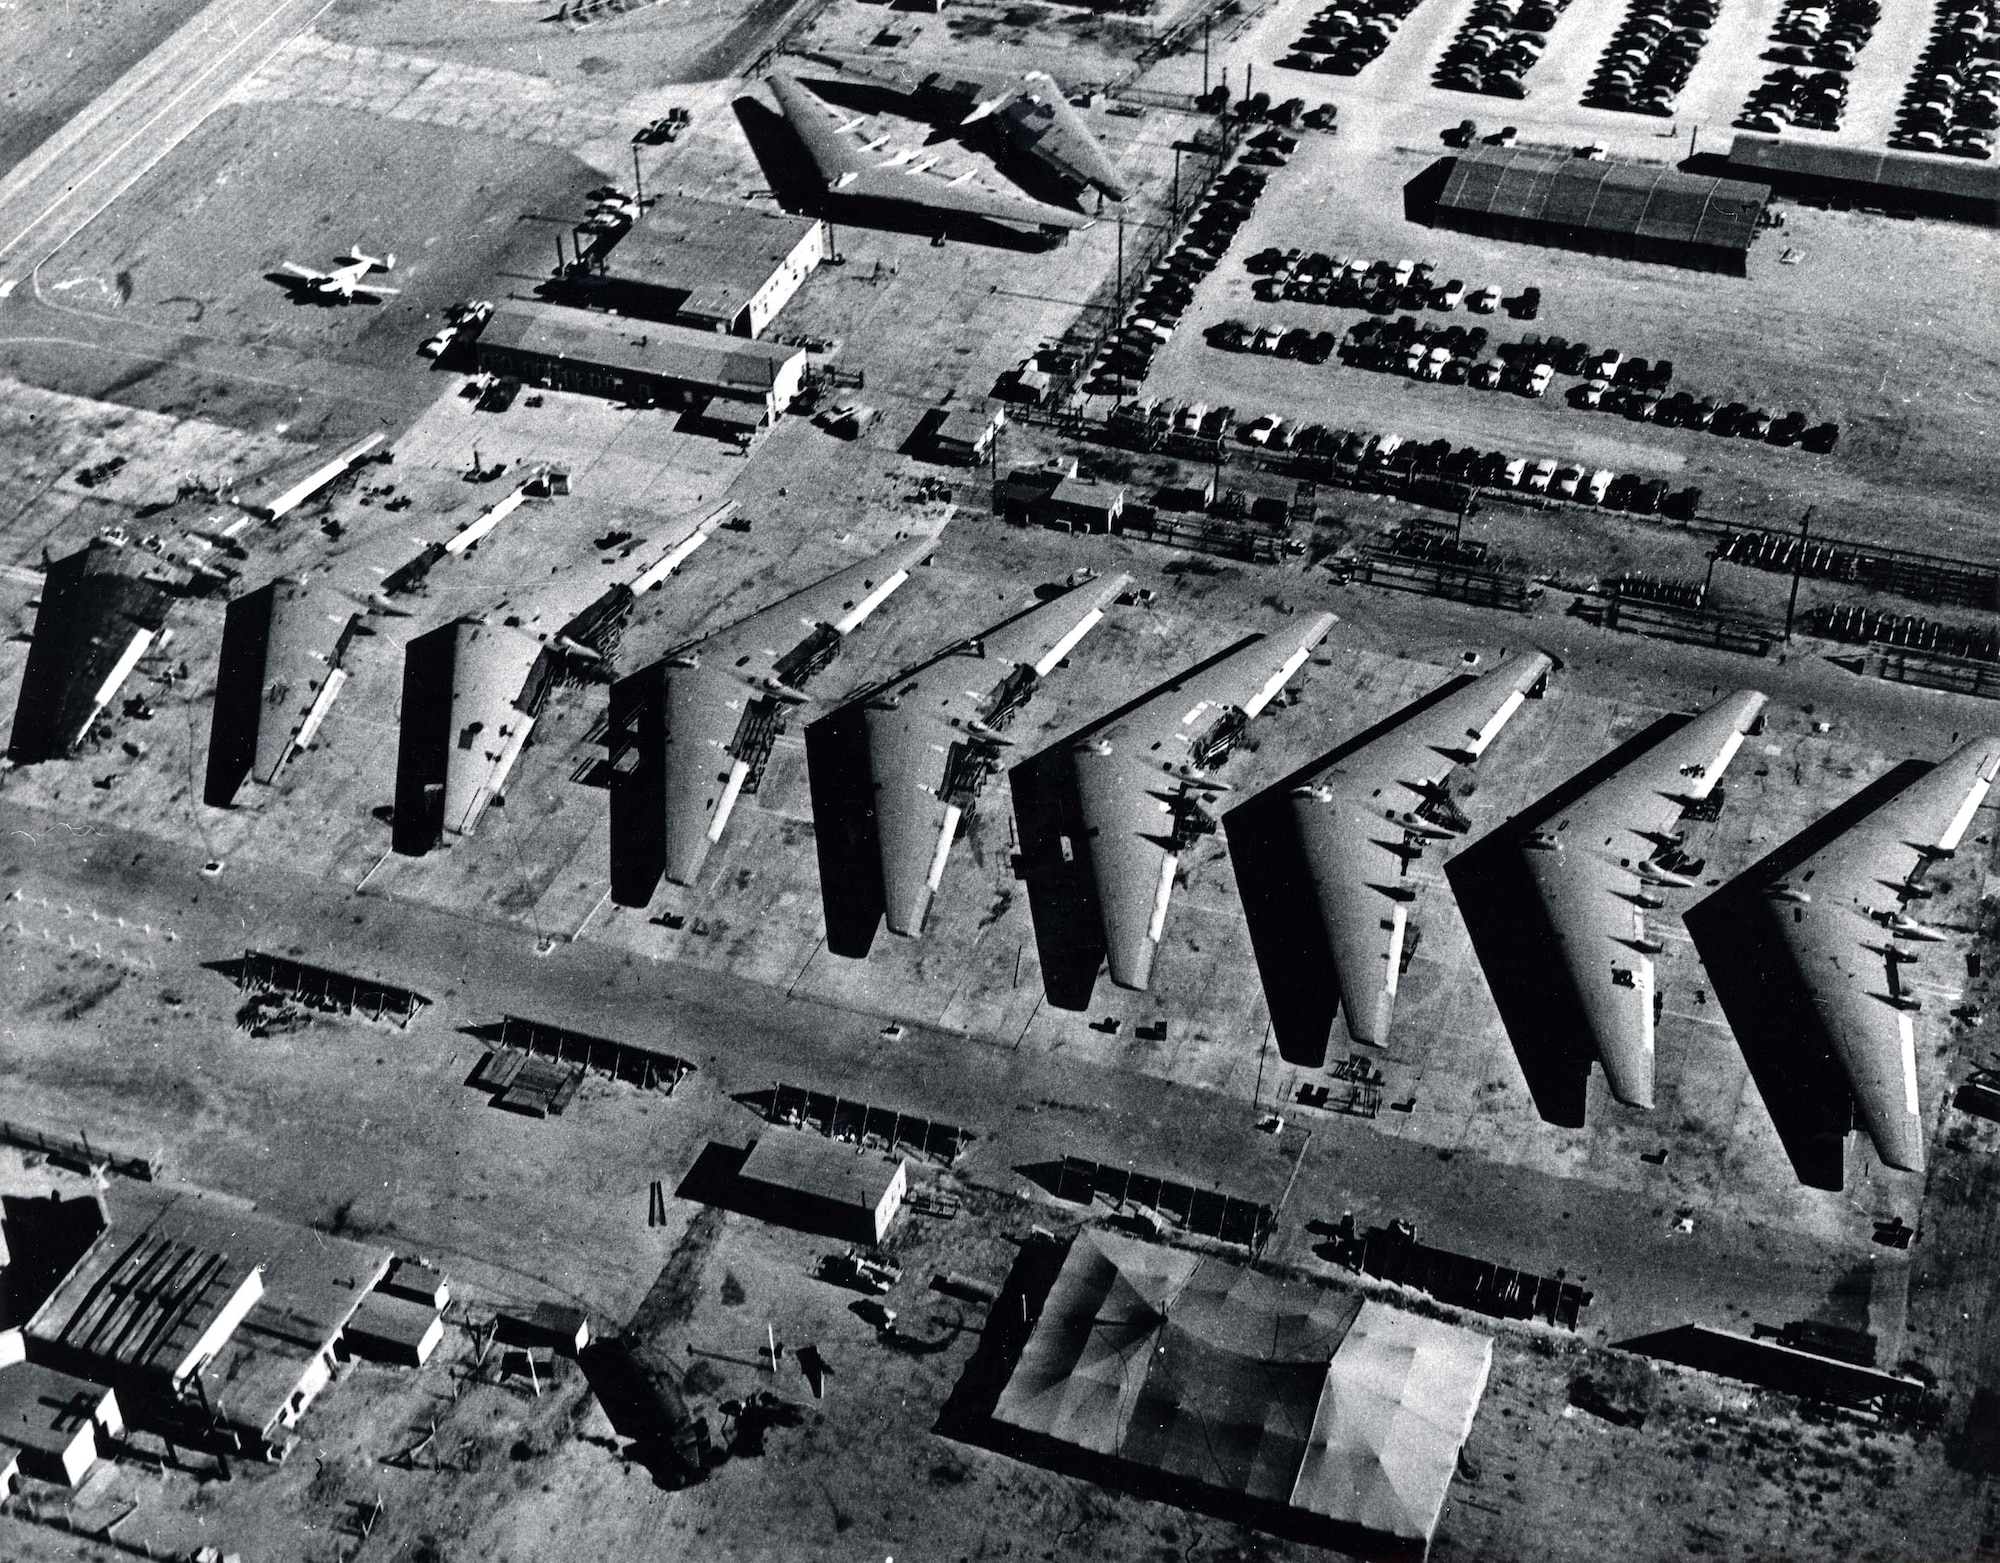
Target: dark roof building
<point>1867,176</point>
<point>708,266</point>
<point>202,1309</point>
<point>1636,210</point>
<point>608,355</point>
<point>49,1422</point>
<point>821,1185</point>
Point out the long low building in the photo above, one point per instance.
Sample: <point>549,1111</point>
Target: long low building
<point>707,266</point>
<point>1640,211</point>
<point>638,361</point>
<point>1867,176</point>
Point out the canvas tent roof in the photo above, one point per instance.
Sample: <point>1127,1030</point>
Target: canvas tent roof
<point>1278,1391</point>
<point>1400,1397</point>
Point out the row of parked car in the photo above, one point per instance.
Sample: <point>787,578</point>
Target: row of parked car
<point>1382,286</point>
<point>1810,100</point>
<point>1827,35</point>
<point>1497,45</point>
<point>1345,35</point>
<point>1169,289</point>
<point>1953,104</point>
<point>1651,55</point>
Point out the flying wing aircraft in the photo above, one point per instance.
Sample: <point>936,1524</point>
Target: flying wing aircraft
<point>1845,917</point>
<point>1599,865</point>
<point>1140,775</point>
<point>844,170</point>
<point>1366,817</point>
<point>694,730</point>
<point>345,281</point>
<point>474,688</point>
<point>1029,106</point>
<point>929,739</point>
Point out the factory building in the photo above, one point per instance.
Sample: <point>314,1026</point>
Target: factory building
<point>49,1424</point>
<point>726,377</point>
<point>1867,176</point>
<point>705,266</point>
<point>208,1319</point>
<point>1639,211</point>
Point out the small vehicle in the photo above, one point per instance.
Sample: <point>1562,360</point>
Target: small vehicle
<point>434,347</point>
<point>1540,476</point>
<point>1488,375</point>
<point>1567,481</point>
<point>499,396</point>
<point>1386,446</point>
<point>212,868</point>
<point>1484,302</point>
<point>1539,379</point>
<point>1451,294</point>
<point>1529,304</point>
<point>1515,473</point>
<point>1404,270</point>
<point>1598,486</point>
<point>1260,432</point>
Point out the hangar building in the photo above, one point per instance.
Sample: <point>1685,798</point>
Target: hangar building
<point>707,266</point>
<point>1640,211</point>
<point>668,365</point>
<point>1867,176</point>
<point>1298,1410</point>
<point>205,1316</point>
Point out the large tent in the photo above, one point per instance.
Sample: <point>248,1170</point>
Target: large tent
<point>1279,1397</point>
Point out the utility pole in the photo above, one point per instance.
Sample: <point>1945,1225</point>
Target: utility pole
<point>1177,181</point>
<point>638,178</point>
<point>1798,569</point>
<point>1204,55</point>
<point>1118,314</point>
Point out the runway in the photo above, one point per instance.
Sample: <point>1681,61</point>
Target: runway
<point>65,182</point>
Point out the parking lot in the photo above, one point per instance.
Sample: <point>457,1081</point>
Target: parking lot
<point>1904,387</point>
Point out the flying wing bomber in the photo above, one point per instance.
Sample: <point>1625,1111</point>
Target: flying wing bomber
<point>1845,918</point>
<point>1139,777</point>
<point>696,727</point>
<point>843,168</point>
<point>1366,817</point>
<point>932,736</point>
<point>1598,866</point>
<point>473,689</point>
<point>1029,106</point>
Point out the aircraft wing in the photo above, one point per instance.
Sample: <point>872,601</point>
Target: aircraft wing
<point>101,612</point>
<point>1364,818</point>
<point>306,272</point>
<point>843,170</point>
<point>1843,914</point>
<point>836,161</point>
<point>493,708</point>
<point>1042,123</point>
<point>934,734</point>
<point>1138,777</point>
<point>1593,865</point>
<point>725,693</point>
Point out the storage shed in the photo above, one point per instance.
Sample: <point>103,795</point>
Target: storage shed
<point>822,1185</point>
<point>1640,211</point>
<point>1866,176</point>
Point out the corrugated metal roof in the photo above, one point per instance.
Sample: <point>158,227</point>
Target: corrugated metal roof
<point>702,358</point>
<point>1865,165</point>
<point>1609,197</point>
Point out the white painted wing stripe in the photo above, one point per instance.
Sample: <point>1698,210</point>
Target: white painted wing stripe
<point>936,874</point>
<point>870,603</point>
<point>1955,831</point>
<point>1157,928</point>
<point>1277,680</point>
<point>738,774</point>
<point>322,703</point>
<point>1067,644</point>
<point>1514,701</point>
<point>1906,1036</point>
<point>474,530</point>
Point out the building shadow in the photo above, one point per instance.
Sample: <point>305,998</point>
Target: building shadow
<point>1765,999</point>
<point>1421,193</point>
<point>42,1239</point>
<point>239,695</point>
<point>1517,948</point>
<point>1281,902</point>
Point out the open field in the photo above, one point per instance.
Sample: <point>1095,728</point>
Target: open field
<point>57,58</point>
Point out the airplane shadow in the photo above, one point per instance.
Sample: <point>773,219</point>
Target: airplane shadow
<point>305,298</point>
<point>1516,944</point>
<point>1758,984</point>
<point>841,777</point>
<point>1281,904</point>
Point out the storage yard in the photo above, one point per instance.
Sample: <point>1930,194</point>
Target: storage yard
<point>775,790</point>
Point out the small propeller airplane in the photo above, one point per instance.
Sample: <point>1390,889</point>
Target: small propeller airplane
<point>346,281</point>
